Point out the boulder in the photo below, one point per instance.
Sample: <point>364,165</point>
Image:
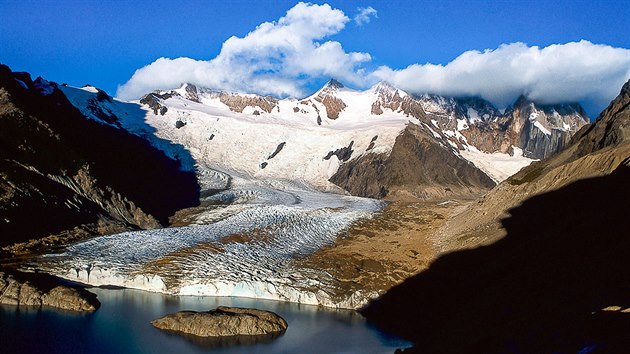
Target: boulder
<point>224,322</point>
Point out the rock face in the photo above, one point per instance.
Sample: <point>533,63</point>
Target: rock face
<point>152,100</point>
<point>417,164</point>
<point>540,130</point>
<point>46,293</point>
<point>224,322</point>
<point>237,103</point>
<point>611,128</point>
<point>76,172</point>
<point>326,96</point>
<point>389,97</point>
<point>343,154</point>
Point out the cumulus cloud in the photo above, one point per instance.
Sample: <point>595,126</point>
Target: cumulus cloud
<point>572,72</point>
<point>363,15</point>
<point>285,57</point>
<point>277,58</point>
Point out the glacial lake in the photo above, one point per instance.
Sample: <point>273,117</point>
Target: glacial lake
<point>122,325</point>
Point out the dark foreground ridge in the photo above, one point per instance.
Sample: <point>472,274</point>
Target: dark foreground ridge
<point>541,289</point>
<point>60,171</point>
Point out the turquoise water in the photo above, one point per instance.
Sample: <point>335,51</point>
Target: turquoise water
<point>122,325</point>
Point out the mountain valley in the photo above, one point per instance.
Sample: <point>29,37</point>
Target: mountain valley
<point>343,199</point>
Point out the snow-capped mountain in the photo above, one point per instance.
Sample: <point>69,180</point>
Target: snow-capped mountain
<point>262,164</point>
<point>307,140</point>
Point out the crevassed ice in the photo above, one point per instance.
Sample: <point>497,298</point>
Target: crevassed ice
<point>247,252</point>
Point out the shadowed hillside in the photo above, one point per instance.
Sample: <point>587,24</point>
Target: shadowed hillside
<point>542,288</point>
<point>59,170</point>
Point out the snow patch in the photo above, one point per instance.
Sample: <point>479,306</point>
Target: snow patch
<point>542,128</point>
<point>462,124</point>
<point>498,166</point>
<point>473,115</point>
<point>89,88</point>
<point>21,83</point>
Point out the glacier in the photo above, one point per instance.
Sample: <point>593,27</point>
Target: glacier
<point>245,248</point>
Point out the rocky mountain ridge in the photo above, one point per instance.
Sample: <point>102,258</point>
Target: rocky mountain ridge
<point>539,129</point>
<point>467,129</point>
<point>56,164</point>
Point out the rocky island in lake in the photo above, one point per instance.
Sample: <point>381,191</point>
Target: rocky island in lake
<point>225,325</point>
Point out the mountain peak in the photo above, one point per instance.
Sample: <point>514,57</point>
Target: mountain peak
<point>334,84</point>
<point>522,100</point>
<point>384,86</point>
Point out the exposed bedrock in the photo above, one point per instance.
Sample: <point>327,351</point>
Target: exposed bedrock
<point>44,290</point>
<point>232,324</point>
<point>417,164</point>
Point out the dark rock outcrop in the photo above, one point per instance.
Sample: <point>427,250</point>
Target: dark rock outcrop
<point>343,154</point>
<point>418,164</point>
<point>224,322</point>
<point>43,290</point>
<point>277,151</point>
<point>192,93</point>
<point>372,143</point>
<point>153,101</point>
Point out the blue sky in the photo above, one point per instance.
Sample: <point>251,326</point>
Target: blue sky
<point>104,42</point>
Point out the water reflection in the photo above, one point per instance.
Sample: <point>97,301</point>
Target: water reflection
<point>122,325</point>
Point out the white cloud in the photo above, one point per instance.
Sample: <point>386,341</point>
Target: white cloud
<point>276,58</point>
<point>364,14</point>
<point>284,57</point>
<point>571,72</point>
